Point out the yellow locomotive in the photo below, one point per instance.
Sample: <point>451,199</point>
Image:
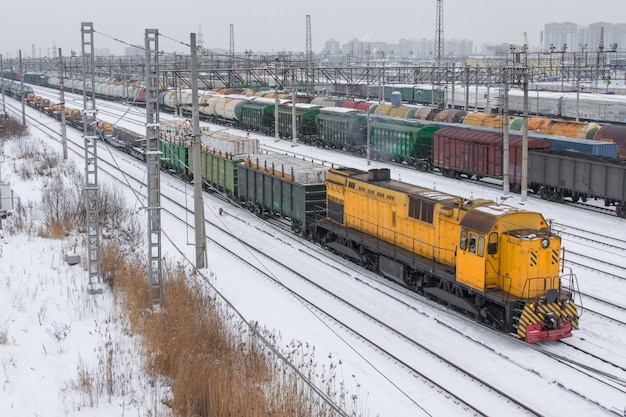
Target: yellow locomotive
<point>496,263</point>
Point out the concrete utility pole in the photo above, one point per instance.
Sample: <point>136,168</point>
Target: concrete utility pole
<point>91,159</point>
<point>197,169</point>
<point>524,190</point>
<point>294,119</point>
<point>4,109</point>
<point>506,181</point>
<point>22,91</point>
<point>62,105</point>
<point>276,121</point>
<point>276,103</point>
<point>153,165</point>
<point>231,56</point>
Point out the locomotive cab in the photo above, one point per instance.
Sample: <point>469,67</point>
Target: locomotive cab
<point>513,254</point>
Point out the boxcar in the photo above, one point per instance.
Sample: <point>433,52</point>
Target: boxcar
<point>478,152</point>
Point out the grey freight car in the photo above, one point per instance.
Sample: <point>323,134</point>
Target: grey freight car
<point>563,174</point>
<point>279,185</point>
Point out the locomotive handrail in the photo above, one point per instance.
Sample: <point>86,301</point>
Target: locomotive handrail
<point>549,283</point>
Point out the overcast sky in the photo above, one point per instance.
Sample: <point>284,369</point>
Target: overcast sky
<point>276,25</point>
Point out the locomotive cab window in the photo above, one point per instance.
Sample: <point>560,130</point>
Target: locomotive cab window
<point>481,246</point>
<point>492,247</point>
<point>477,244</point>
<point>463,243</point>
<point>472,243</point>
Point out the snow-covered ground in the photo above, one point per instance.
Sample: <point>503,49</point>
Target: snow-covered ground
<point>53,327</point>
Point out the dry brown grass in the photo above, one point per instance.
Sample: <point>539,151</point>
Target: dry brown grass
<point>216,365</point>
<point>55,230</point>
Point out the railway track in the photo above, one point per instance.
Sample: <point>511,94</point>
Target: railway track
<point>485,183</point>
<point>398,334</point>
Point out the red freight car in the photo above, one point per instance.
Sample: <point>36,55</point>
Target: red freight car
<point>471,152</point>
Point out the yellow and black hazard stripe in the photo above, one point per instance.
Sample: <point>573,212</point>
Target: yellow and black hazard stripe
<point>535,313</point>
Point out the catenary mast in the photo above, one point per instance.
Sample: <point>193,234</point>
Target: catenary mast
<point>439,33</point>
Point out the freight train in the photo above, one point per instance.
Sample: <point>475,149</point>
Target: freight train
<point>497,264</point>
<point>564,105</point>
<point>581,169</point>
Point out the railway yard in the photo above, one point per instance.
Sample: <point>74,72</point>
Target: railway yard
<point>410,355</point>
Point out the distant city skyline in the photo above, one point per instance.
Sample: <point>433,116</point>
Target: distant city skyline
<point>279,25</point>
<point>556,37</point>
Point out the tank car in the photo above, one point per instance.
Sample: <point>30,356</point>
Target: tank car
<point>493,121</point>
<point>615,134</point>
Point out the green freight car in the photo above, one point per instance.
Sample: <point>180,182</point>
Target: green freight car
<point>218,170</point>
<point>405,141</point>
<point>221,152</point>
<point>342,128</point>
<point>306,127</point>
<point>175,155</point>
<point>286,187</point>
<point>258,115</point>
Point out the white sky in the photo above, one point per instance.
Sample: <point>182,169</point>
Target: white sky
<point>277,25</point>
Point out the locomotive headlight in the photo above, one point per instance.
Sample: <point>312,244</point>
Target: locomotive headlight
<point>545,243</point>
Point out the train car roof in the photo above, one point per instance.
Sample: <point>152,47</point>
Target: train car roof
<point>342,110</point>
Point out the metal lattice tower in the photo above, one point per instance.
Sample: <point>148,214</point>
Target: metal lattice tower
<point>91,159</point>
<point>153,162</point>
<point>232,41</point>
<point>309,55</point>
<point>439,33</point>
<point>309,46</point>
<point>200,38</point>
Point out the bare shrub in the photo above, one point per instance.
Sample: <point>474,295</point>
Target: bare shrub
<point>27,148</point>
<point>58,208</point>
<point>35,158</point>
<point>113,205</point>
<point>4,336</point>
<point>11,128</point>
<point>47,162</point>
<point>111,262</point>
<point>21,220</point>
